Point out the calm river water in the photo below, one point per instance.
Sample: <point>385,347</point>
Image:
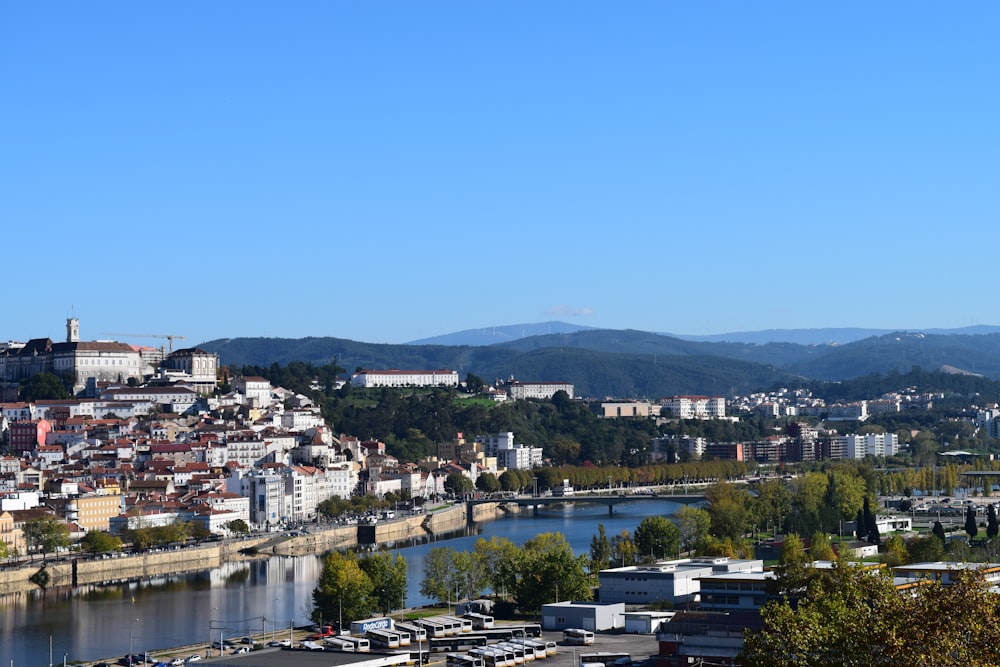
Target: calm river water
<point>94,622</point>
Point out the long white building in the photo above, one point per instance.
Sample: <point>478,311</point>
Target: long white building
<point>398,378</point>
<point>695,407</point>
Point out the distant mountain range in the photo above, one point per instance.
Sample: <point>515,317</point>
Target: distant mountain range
<point>828,336</point>
<point>628,363</point>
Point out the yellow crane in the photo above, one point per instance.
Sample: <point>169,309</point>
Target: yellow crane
<point>170,337</point>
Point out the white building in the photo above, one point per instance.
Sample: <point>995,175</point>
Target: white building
<point>674,581</point>
<point>537,390</point>
<point>256,391</point>
<point>199,367</point>
<point>860,446</point>
<point>695,407</point>
<point>406,378</point>
<point>519,457</point>
<point>491,444</point>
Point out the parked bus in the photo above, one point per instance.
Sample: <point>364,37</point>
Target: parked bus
<point>338,644</point>
<point>551,648</point>
<point>605,658</point>
<point>464,624</point>
<point>532,629</point>
<point>489,657</point>
<point>480,621</point>
<point>456,643</point>
<point>383,638</point>
<point>417,633</point>
<point>465,660</point>
<point>451,625</point>
<point>520,651</point>
<point>432,628</point>
<point>536,646</point>
<point>361,644</point>
<point>578,637</point>
<point>404,636</point>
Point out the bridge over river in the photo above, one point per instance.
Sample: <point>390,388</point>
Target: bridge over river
<point>609,499</point>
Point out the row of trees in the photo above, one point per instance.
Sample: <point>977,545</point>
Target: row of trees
<point>542,570</point>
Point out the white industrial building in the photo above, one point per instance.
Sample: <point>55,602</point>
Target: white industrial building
<point>592,616</point>
<point>674,581</point>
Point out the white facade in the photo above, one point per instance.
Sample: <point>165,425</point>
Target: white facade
<point>519,457</point>
<point>695,407</point>
<point>255,390</point>
<point>860,446</point>
<point>674,581</point>
<point>492,444</point>
<point>397,378</point>
<point>538,390</point>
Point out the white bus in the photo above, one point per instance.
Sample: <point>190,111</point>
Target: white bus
<point>339,644</point>
<point>432,628</point>
<point>417,633</point>
<point>578,637</point>
<point>522,654</point>
<point>489,657</point>
<point>383,638</point>
<point>605,658</point>
<point>480,621</point>
<point>465,660</point>
<point>361,644</point>
<point>451,626</point>
<point>464,624</point>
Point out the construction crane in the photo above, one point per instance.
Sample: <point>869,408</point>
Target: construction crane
<point>170,337</point>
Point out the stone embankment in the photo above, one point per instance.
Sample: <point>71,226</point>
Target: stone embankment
<point>81,571</point>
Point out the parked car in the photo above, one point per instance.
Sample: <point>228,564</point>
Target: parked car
<point>193,658</point>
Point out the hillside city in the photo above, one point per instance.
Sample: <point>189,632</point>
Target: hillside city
<point>150,437</point>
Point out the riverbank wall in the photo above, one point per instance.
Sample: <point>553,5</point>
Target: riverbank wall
<point>80,571</point>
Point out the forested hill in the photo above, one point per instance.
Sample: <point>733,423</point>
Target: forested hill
<point>626,363</point>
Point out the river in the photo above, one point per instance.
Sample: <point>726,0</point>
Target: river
<point>94,622</point>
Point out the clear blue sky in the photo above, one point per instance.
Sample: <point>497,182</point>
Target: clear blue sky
<point>387,171</point>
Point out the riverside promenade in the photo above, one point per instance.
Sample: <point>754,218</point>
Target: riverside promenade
<point>85,569</point>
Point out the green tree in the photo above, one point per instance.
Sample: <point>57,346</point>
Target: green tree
<point>238,527</point>
<point>550,573</point>
<point>600,550</point>
<point>498,558</point>
<point>98,542</point>
<point>938,532</point>
<point>694,524</point>
<point>458,484</point>
<point>510,481</point>
<point>728,508</point>
<point>343,591</point>
<point>46,533</point>
<point>971,527</point>
<point>623,551</point>
<point>657,536</point>
<point>820,547</point>
<point>441,577</point>
<point>992,525</point>
<point>43,386</point>
<point>895,553</point>
<point>474,384</point>
<point>387,576</point>
<point>855,616</point>
<point>487,482</point>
